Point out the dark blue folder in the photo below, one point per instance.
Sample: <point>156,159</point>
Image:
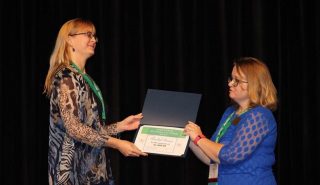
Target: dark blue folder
<point>170,108</point>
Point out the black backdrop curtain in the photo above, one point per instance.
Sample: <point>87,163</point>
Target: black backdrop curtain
<point>172,45</point>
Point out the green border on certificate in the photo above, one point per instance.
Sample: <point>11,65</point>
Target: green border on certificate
<point>162,140</point>
<point>168,132</point>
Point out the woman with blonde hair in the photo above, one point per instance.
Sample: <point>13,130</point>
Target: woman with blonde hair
<point>241,151</point>
<point>78,134</point>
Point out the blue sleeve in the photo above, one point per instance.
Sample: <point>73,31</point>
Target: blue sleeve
<point>249,134</point>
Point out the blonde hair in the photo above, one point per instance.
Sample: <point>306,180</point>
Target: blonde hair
<point>61,56</point>
<point>261,89</point>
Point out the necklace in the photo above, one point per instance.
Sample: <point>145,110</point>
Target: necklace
<point>239,112</point>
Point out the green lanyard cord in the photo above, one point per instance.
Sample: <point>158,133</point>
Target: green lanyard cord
<point>93,87</point>
<point>224,128</point>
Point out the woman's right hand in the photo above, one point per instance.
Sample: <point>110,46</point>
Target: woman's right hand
<point>192,130</point>
<point>128,149</point>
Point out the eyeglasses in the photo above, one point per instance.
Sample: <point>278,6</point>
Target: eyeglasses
<point>89,34</point>
<point>235,81</point>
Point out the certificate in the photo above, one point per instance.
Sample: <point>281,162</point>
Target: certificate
<point>162,140</point>
<point>165,114</point>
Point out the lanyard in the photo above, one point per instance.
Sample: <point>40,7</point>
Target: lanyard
<point>226,125</point>
<point>93,87</point>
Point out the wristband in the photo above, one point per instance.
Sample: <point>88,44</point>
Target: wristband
<point>197,139</point>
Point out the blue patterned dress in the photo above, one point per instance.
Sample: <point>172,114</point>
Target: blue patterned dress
<point>77,135</point>
<point>248,152</point>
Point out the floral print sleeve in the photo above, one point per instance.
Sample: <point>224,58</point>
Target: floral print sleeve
<point>248,136</point>
<point>69,110</point>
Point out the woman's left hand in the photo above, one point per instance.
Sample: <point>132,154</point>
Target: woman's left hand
<point>129,123</point>
<point>192,130</point>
